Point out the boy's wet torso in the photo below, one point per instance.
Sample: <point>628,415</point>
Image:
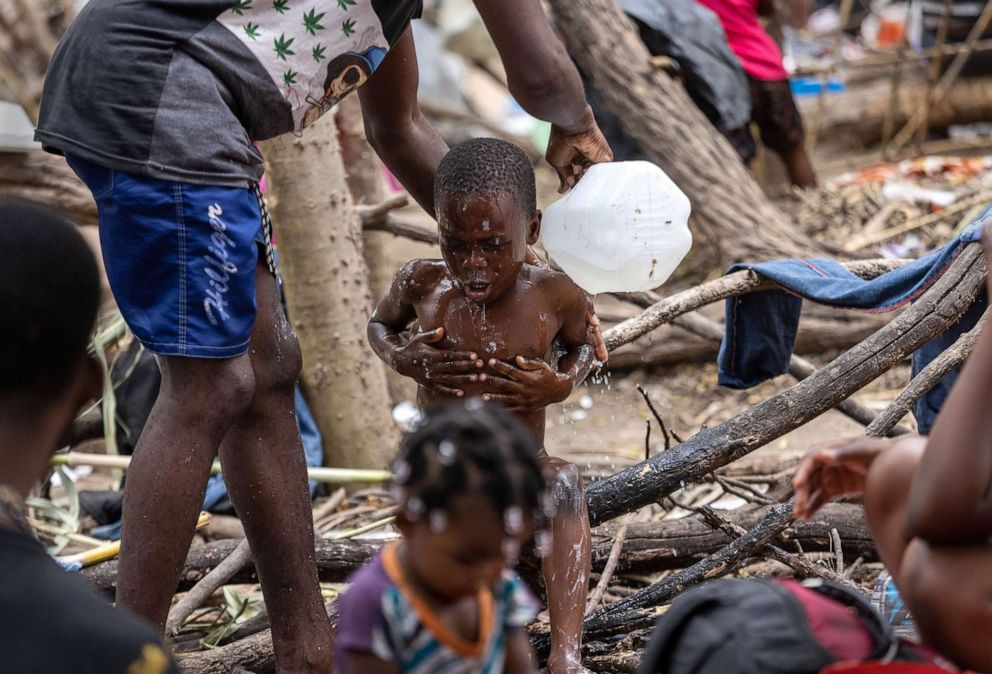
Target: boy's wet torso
<point>523,321</point>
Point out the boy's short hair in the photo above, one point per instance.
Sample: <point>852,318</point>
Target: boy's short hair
<point>487,166</point>
<point>49,297</point>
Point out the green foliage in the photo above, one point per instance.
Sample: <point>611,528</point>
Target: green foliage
<point>348,27</point>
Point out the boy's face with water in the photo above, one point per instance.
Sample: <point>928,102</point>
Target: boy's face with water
<point>457,552</point>
<point>484,241</point>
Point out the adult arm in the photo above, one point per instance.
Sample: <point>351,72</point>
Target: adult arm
<point>396,128</point>
<point>543,79</point>
<point>951,497</point>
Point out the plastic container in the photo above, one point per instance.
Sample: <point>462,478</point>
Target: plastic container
<point>622,228</point>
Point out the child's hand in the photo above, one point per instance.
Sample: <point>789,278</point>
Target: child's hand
<point>528,386</point>
<point>439,369</point>
<point>832,470</point>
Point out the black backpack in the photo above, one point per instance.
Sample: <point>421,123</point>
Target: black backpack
<point>755,626</point>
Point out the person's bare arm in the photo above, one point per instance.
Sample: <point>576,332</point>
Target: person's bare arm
<point>543,79</point>
<point>519,658</point>
<point>366,663</point>
<point>951,497</point>
<point>397,130</point>
<point>575,336</point>
<point>417,357</point>
<point>531,384</point>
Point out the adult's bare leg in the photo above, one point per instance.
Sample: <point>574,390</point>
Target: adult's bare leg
<point>265,472</point>
<point>566,569</point>
<point>198,401</point>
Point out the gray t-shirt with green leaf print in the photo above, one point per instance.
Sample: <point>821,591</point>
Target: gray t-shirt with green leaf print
<point>181,89</point>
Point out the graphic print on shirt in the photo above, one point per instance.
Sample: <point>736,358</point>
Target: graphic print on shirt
<point>315,51</point>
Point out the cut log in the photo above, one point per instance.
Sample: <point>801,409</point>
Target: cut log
<point>859,113</point>
<point>654,110</point>
<point>648,481</point>
<point>336,560</point>
<point>648,548</point>
<point>676,544</point>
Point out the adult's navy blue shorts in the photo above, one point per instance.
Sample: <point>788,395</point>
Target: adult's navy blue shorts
<point>180,259</point>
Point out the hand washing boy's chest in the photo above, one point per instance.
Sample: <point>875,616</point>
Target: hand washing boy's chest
<point>519,323</point>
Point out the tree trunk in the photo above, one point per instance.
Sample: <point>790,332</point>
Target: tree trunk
<point>47,179</point>
<point>320,240</point>
<point>364,177</point>
<point>729,208</point>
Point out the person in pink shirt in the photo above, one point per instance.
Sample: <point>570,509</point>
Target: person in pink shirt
<point>773,108</point>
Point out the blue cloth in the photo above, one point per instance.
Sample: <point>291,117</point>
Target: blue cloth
<point>761,326</point>
<point>180,259</point>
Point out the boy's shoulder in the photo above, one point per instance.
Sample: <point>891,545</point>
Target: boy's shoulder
<point>556,282</point>
<point>421,276</point>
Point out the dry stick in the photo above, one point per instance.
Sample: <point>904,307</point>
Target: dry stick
<point>407,228</point>
<point>928,377</point>
<point>647,439</point>
<point>210,583</point>
<point>838,550</point>
<point>330,505</point>
<point>798,562</point>
<point>821,103</point>
<point>647,482</point>
<point>611,566</point>
<point>948,78</point>
<point>742,490</point>
<point>859,242</point>
<point>657,416</point>
<point>888,124</point>
<point>373,212</point>
<point>731,285</point>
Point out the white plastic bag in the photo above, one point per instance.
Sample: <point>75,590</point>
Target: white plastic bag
<point>622,228</point>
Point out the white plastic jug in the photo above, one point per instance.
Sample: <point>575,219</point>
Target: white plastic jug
<point>622,228</point>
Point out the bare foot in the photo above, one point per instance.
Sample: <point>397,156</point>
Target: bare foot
<point>566,663</point>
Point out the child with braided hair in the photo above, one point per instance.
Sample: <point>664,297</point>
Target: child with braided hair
<point>444,598</point>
